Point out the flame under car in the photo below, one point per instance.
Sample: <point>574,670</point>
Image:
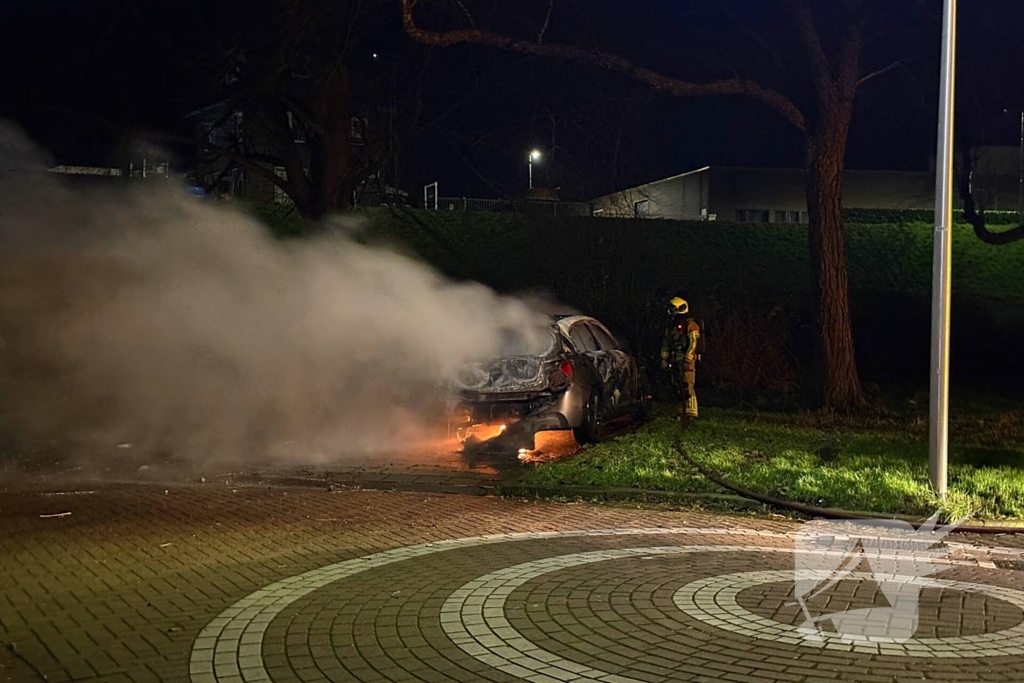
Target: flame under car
<point>582,379</point>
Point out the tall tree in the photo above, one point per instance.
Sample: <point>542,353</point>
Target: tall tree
<point>326,91</point>
<point>825,74</point>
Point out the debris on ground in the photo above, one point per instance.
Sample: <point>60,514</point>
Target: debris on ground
<point>55,515</point>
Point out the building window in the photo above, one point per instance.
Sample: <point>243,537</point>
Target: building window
<point>280,196</point>
<point>297,128</point>
<point>641,208</point>
<point>752,215</point>
<point>787,216</point>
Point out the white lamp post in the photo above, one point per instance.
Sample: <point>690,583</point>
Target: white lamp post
<point>534,156</point>
<point>942,261</point>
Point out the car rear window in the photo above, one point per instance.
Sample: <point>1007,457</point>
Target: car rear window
<point>582,339</point>
<point>532,341</point>
<point>604,338</point>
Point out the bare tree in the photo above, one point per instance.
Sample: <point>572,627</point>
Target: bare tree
<point>324,91</point>
<point>834,73</point>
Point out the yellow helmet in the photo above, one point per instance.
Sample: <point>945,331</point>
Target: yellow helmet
<point>678,306</point>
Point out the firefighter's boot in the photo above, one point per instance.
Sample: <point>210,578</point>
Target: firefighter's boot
<point>691,407</point>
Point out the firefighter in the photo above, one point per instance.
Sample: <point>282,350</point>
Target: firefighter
<point>679,355</point>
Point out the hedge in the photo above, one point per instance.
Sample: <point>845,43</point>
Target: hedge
<point>512,252</point>
<point>621,269</point>
<point>921,216</point>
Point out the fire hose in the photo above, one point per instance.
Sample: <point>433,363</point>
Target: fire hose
<point>824,513</point>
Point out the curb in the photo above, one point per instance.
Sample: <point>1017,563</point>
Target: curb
<point>990,523</point>
<point>624,494</point>
<point>475,485</point>
<point>513,490</point>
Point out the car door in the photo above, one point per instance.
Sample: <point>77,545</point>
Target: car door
<point>618,369</point>
<point>587,353</point>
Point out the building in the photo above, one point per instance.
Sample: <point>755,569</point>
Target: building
<point>997,177</point>
<point>223,125</point>
<point>776,195</point>
<point>761,195</point>
<point>220,177</point>
<point>100,176</point>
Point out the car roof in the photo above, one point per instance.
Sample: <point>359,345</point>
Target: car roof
<point>564,322</point>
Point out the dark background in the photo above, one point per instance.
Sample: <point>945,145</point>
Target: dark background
<point>84,78</point>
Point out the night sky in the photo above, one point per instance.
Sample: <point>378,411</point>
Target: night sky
<point>84,78</point>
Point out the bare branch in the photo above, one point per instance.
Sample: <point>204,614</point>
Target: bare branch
<point>547,21</point>
<point>848,68</point>
<point>801,14</point>
<point>874,74</point>
<point>679,88</point>
<point>466,13</point>
<point>207,187</point>
<point>758,39</point>
<point>300,111</point>
<point>245,160</point>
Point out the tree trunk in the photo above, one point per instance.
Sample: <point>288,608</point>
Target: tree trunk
<point>337,118</point>
<point>836,364</point>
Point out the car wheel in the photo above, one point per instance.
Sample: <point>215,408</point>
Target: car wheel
<point>590,430</point>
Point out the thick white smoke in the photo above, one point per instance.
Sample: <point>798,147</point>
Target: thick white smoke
<point>151,318</point>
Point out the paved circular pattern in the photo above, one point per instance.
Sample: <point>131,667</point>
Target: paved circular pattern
<point>962,614</point>
<point>229,648</point>
<point>567,606</point>
<point>474,615</point>
<point>713,602</point>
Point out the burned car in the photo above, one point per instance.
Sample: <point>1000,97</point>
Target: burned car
<point>582,379</point>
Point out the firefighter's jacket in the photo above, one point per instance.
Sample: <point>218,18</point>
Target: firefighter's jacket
<point>680,344</point>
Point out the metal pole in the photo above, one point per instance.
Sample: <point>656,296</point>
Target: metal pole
<point>942,260</point>
<point>531,171</point>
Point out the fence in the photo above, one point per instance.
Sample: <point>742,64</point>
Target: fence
<point>526,206</point>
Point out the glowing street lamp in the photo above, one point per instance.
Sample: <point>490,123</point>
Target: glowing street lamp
<point>534,156</point>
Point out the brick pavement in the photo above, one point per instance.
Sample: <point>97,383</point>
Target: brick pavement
<point>124,588</point>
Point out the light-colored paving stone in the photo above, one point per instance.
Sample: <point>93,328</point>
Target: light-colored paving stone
<point>212,584</point>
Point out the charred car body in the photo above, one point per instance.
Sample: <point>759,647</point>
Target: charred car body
<point>582,379</point>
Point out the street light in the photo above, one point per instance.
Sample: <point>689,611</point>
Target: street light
<point>534,156</point>
<point>938,418</point>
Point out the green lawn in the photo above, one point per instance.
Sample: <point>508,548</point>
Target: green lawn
<point>878,464</point>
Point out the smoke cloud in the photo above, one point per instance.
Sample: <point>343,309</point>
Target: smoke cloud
<point>148,317</point>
